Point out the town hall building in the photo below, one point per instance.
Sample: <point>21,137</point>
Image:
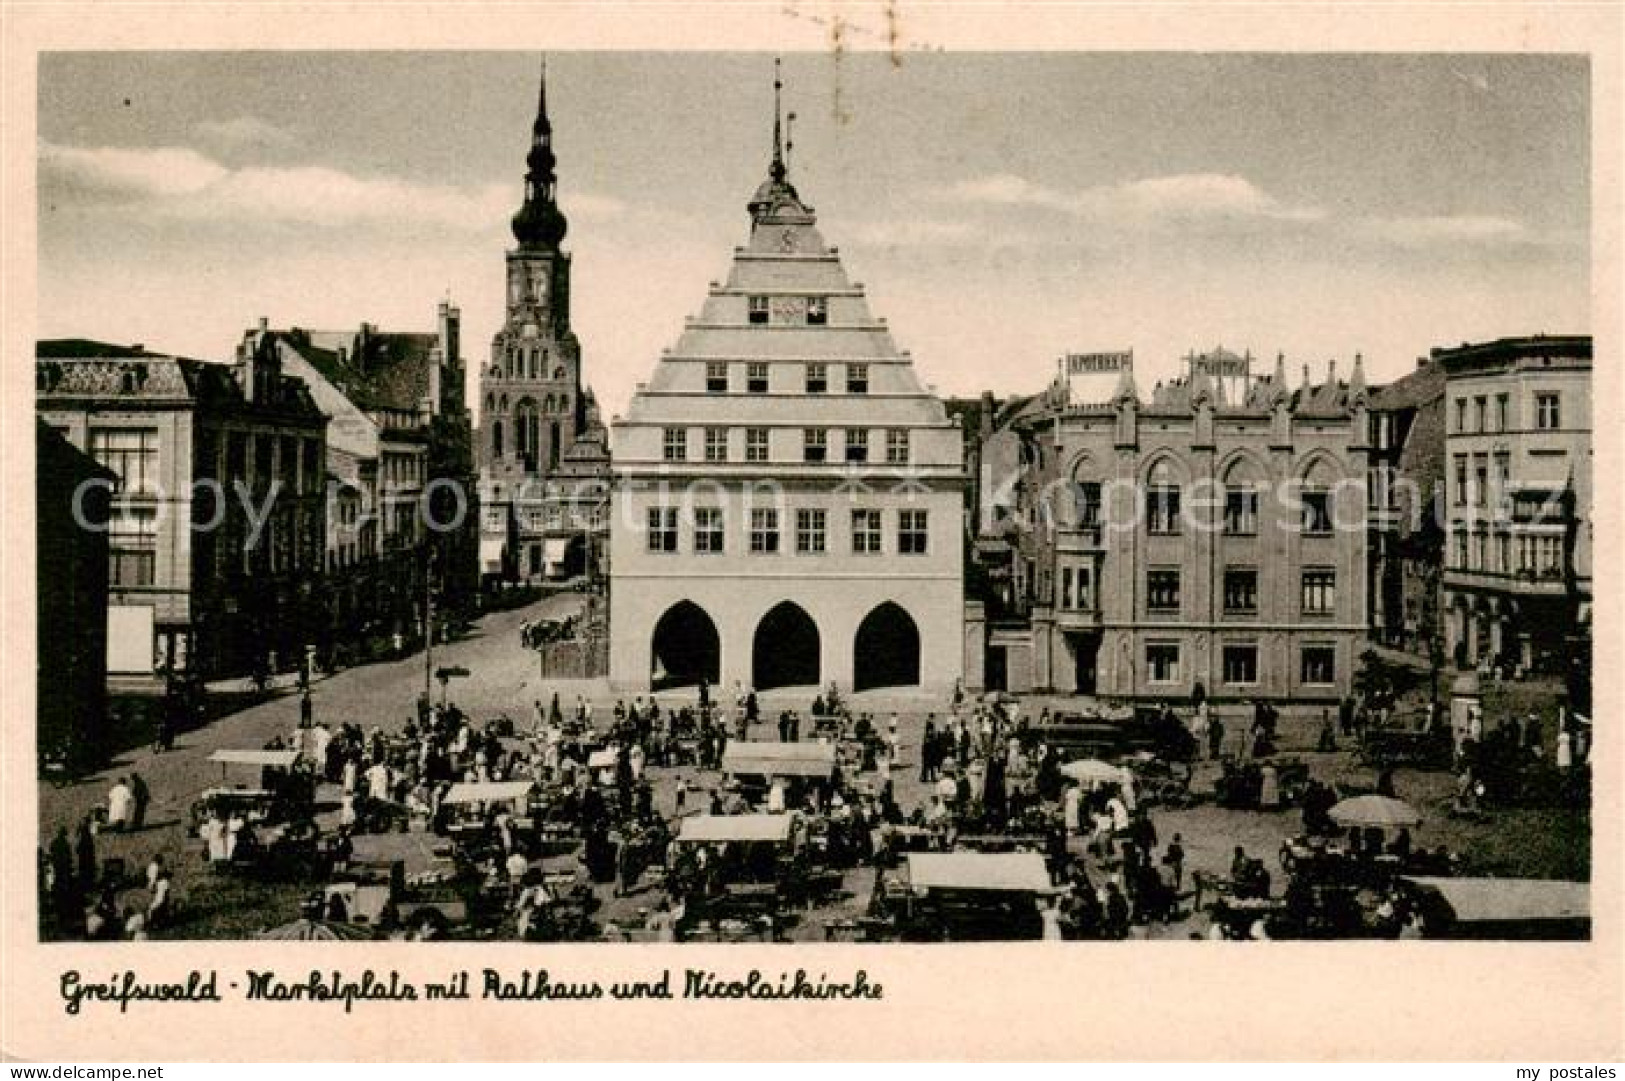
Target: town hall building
<point>788,495</point>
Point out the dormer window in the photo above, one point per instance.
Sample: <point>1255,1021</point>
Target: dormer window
<point>758,309</point>
<point>817,311</point>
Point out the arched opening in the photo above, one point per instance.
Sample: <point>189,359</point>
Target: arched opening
<point>575,556</point>
<point>496,439</point>
<point>886,651</point>
<point>685,648</point>
<point>784,652</point>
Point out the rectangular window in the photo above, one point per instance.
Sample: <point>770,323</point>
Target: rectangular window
<point>1317,513</point>
<point>755,444</point>
<point>1088,504</point>
<point>897,446</point>
<point>756,377</point>
<point>1481,413</point>
<point>1461,414</point>
<point>675,445</point>
<point>1458,549</point>
<point>817,378</point>
<point>716,444</point>
<point>1240,663</point>
<point>716,377</point>
<point>1085,598</point>
<point>1549,555</point>
<point>809,532</point>
<point>662,529</point>
<point>1503,553</point>
<point>708,530</point>
<point>1503,405</point>
<point>131,454</point>
<point>1319,664</point>
<point>1461,480</point>
<point>815,445</point>
<point>911,532</point>
<point>1240,511</point>
<point>866,532</point>
<point>1548,412</point>
<point>1319,591</point>
<point>764,530</point>
<point>1162,590</point>
<point>1241,589</point>
<point>857,378</point>
<point>1162,662</point>
<point>1481,480</point>
<point>758,309</point>
<point>1162,509</point>
<point>132,547</point>
<point>1501,495</point>
<point>857,444</point>
<point>817,311</point>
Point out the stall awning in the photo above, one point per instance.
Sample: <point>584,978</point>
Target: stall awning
<point>1019,871</point>
<point>735,828</point>
<point>1501,900</point>
<point>604,759</point>
<point>420,852</point>
<point>277,759</point>
<point>779,759</point>
<point>487,791</point>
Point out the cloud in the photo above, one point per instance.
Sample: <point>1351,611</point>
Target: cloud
<point>244,133</point>
<point>1182,197</point>
<point>184,185</point>
<point>914,232</point>
<point>1445,229</point>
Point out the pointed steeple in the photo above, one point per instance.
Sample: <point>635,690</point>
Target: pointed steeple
<point>539,223</point>
<point>1357,387</point>
<point>776,192</point>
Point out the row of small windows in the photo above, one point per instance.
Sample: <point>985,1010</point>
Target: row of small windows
<point>549,403</point>
<point>1163,510</point>
<point>708,532</point>
<point>1481,414</point>
<point>815,377</point>
<point>814,445</point>
<point>1531,555</point>
<point>1317,664</point>
<point>1317,595</point>
<point>810,311</point>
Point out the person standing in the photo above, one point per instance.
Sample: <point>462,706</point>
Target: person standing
<point>120,804</point>
<point>1174,858</point>
<point>1215,738</point>
<point>84,851</point>
<point>140,797</point>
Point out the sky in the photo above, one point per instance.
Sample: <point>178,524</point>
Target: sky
<point>1001,209</point>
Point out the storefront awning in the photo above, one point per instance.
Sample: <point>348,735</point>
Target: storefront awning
<point>491,555</point>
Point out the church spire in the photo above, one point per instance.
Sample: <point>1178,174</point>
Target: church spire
<point>539,224</point>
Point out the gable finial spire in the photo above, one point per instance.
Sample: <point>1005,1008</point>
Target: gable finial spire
<point>778,170</point>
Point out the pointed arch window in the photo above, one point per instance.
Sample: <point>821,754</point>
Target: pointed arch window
<point>496,439</point>
<point>1162,501</point>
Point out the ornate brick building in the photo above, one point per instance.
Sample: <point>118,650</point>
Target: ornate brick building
<point>1212,536</point>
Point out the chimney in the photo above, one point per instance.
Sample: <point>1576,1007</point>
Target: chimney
<point>265,324</point>
<point>1306,382</point>
<point>987,415</point>
<point>1331,371</point>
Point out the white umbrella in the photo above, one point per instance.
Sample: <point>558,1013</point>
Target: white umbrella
<point>1382,811</point>
<point>1092,771</point>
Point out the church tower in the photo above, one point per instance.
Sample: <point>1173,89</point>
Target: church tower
<point>540,434</point>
